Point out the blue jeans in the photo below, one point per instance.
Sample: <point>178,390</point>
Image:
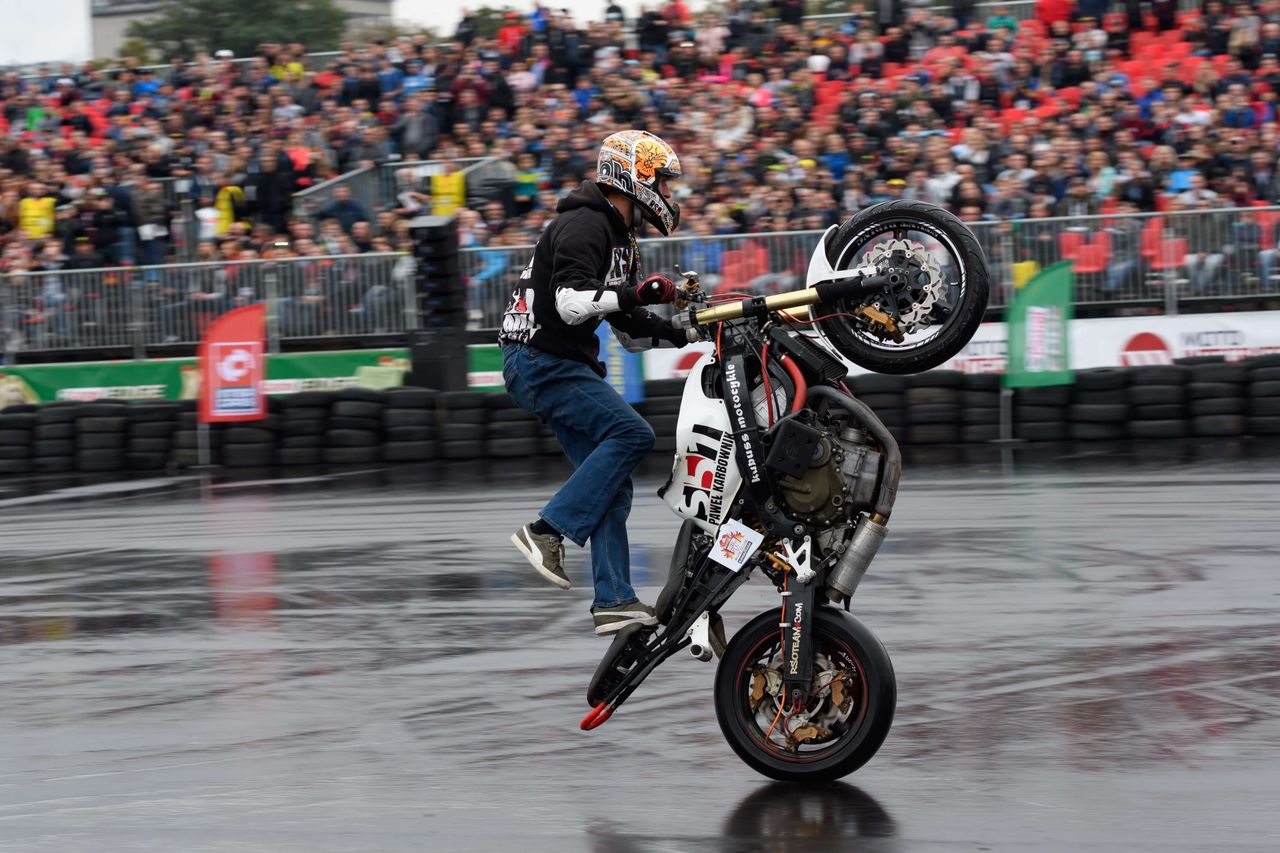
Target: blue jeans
<point>604,439</point>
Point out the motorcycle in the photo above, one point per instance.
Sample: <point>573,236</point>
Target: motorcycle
<point>780,470</point>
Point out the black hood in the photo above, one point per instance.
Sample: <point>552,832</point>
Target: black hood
<point>589,195</point>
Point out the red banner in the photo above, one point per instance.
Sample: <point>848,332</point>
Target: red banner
<point>232,367</point>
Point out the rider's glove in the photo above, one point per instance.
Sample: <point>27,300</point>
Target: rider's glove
<point>654,290</point>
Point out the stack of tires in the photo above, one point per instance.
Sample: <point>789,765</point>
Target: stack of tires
<point>186,441</point>
<point>1216,399</point>
<point>304,418</point>
<point>17,431</point>
<point>513,433</point>
<point>884,394</point>
<point>1099,406</point>
<point>354,434</point>
<point>933,404</point>
<point>661,409</point>
<point>151,428</point>
<point>101,432</point>
<point>251,444</point>
<point>980,414</point>
<point>53,448</point>
<point>409,425</point>
<point>1264,395</point>
<point>464,419</point>
<point>1157,396</point>
<point>1040,414</point>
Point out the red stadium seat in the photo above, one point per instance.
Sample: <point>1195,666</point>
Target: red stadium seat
<point>1169,254</point>
<point>1069,243</point>
<point>1152,237</point>
<point>1092,259</point>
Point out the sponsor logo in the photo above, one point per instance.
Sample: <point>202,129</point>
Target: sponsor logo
<point>797,620</point>
<point>740,419</point>
<point>118,392</point>
<point>1045,344</point>
<point>730,544</point>
<point>706,466</point>
<point>1145,348</point>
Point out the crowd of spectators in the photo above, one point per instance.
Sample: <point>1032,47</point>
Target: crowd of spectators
<point>782,123</point>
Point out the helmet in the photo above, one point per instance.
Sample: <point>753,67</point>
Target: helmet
<point>631,162</point>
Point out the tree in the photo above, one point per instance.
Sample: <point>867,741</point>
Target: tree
<point>184,27</point>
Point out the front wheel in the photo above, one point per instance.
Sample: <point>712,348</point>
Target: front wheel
<point>936,305</point>
<point>845,718</point>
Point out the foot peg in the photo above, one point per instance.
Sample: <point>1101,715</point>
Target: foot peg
<point>706,637</point>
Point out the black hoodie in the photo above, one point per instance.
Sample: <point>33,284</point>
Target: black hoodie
<point>588,247</point>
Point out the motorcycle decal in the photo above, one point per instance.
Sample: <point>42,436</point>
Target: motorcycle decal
<point>735,544</point>
<point>705,474</point>
<point>706,466</point>
<point>733,371</point>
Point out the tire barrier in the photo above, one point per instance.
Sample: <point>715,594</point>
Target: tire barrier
<point>1201,398</point>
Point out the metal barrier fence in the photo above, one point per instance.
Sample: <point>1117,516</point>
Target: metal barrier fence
<point>1154,260</point>
<point>1162,262</point>
<point>378,188</point>
<point>139,308</point>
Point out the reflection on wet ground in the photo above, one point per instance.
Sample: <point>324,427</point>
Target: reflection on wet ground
<point>1086,646</point>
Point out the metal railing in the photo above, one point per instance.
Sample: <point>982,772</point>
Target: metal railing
<point>1158,261</point>
<point>378,188</point>
<point>140,308</point>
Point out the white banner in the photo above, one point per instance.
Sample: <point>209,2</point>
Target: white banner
<point>1102,342</point>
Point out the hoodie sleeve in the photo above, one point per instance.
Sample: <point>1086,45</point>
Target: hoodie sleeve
<point>582,252</point>
<point>640,330</point>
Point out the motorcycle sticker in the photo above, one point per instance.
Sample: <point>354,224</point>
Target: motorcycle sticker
<point>735,543</point>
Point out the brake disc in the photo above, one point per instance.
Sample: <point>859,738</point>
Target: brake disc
<point>924,288</point>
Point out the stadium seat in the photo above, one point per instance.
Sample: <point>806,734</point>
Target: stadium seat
<point>1169,255</point>
<point>1092,259</point>
<point>1152,236</point>
<point>1069,243</point>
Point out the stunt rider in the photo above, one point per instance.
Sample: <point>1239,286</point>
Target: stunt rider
<point>585,269</point>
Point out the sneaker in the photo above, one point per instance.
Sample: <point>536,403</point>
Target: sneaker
<point>610,620</point>
<point>545,552</point>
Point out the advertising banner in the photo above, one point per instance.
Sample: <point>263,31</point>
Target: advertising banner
<point>1102,342</point>
<point>231,366</point>
<point>624,370</point>
<point>1038,320</point>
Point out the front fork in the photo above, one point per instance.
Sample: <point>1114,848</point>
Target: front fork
<point>797,641</point>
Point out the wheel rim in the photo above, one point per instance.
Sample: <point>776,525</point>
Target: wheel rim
<point>934,247</point>
<point>835,662</point>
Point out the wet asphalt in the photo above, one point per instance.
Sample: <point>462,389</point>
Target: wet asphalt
<point>1087,645</point>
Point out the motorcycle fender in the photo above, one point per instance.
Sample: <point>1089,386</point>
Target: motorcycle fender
<point>820,270</point>
<point>704,476</point>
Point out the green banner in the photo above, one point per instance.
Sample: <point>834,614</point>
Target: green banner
<point>177,379</point>
<point>1038,322</point>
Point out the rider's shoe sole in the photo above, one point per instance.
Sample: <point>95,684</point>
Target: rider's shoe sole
<point>535,560</point>
<point>615,627</point>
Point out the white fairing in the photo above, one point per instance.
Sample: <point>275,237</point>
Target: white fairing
<point>705,476</point>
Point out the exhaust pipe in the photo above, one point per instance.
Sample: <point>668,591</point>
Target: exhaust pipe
<point>847,574</point>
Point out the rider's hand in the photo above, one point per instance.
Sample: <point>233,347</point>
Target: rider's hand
<point>656,290</point>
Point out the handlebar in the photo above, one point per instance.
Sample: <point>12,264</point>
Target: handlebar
<point>827,291</point>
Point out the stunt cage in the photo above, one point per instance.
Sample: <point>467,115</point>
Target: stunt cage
<point>780,469</point>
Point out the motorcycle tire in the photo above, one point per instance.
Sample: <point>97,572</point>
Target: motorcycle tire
<point>837,633</point>
<point>955,331</point>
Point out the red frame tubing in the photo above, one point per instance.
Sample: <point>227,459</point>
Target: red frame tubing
<point>802,387</point>
<point>596,717</point>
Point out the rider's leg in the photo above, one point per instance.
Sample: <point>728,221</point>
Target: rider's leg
<point>605,440</point>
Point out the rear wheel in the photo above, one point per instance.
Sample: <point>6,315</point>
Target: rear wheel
<point>933,313</point>
<point>845,718</point>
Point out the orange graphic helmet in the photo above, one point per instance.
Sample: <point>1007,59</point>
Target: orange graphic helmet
<point>632,162</point>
